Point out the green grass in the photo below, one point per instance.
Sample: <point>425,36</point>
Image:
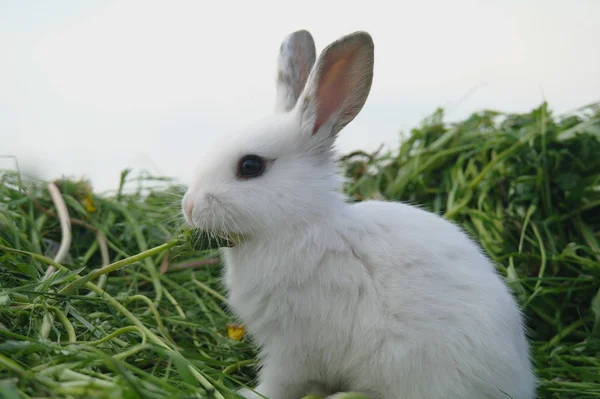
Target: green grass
<point>527,187</point>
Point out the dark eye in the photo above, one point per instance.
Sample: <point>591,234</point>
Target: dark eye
<point>251,166</point>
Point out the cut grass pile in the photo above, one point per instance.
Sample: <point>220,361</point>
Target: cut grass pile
<point>134,310</point>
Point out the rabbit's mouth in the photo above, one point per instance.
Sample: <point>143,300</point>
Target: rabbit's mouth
<point>236,238</point>
<point>232,239</point>
<point>204,239</point>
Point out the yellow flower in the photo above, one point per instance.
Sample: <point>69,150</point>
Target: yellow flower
<point>88,202</point>
<point>236,331</point>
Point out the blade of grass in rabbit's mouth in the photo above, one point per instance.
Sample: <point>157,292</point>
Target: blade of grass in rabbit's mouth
<point>204,240</point>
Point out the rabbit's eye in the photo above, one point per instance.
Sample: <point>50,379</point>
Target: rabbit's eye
<point>251,166</point>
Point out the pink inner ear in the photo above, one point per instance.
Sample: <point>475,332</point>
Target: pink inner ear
<point>335,84</point>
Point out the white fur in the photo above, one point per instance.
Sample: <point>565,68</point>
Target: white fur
<point>376,297</point>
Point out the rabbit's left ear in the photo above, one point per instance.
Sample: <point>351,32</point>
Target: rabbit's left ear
<point>296,58</point>
<point>338,85</point>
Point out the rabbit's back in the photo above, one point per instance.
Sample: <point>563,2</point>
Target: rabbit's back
<point>446,308</point>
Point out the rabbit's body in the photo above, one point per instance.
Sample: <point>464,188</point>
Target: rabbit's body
<point>388,305</point>
<point>376,297</point>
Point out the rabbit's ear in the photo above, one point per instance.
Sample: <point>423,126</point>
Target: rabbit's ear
<point>339,84</point>
<point>296,58</point>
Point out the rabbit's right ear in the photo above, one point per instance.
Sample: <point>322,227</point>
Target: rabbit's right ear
<point>297,56</point>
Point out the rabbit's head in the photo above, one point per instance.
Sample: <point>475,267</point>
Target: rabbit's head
<point>282,171</point>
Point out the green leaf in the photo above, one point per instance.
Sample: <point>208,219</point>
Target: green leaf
<point>8,389</point>
<point>596,311</point>
<point>183,367</point>
<point>568,181</point>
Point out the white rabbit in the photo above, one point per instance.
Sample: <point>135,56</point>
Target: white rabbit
<point>376,297</point>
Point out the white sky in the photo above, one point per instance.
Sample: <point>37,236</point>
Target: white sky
<point>89,88</point>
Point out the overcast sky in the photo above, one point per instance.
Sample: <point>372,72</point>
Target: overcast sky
<point>89,88</point>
